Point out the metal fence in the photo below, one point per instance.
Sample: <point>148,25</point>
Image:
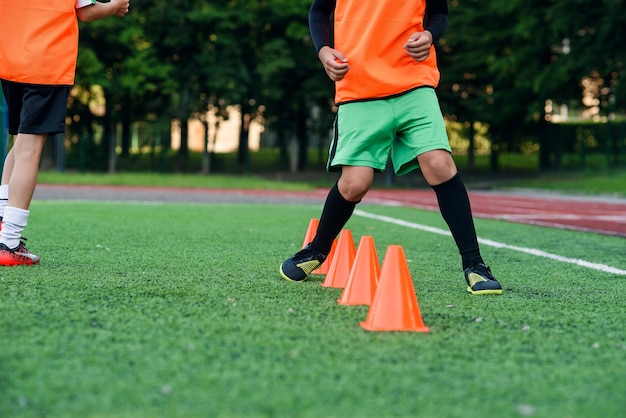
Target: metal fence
<point>583,146</point>
<point>556,147</point>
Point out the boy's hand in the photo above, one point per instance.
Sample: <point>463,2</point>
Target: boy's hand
<point>120,6</point>
<point>418,45</point>
<point>334,62</point>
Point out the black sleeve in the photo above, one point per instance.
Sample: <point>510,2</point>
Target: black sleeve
<point>436,17</point>
<point>319,22</point>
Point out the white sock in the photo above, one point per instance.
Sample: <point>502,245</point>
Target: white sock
<point>4,198</point>
<point>13,224</point>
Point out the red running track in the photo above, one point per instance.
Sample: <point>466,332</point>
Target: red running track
<point>603,216</point>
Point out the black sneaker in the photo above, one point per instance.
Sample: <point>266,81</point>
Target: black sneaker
<point>298,267</point>
<point>480,281</point>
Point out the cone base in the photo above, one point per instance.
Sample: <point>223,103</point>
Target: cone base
<point>352,303</point>
<point>331,286</point>
<point>369,327</point>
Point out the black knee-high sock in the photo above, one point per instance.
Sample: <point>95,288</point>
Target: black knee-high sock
<point>335,215</point>
<point>455,208</point>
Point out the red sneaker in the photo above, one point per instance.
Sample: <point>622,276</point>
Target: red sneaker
<point>18,256</point>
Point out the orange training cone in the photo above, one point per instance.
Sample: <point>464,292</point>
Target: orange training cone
<point>363,279</point>
<point>310,232</point>
<point>342,261</point>
<point>395,306</point>
<point>323,269</point>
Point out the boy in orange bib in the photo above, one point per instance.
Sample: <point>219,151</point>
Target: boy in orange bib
<point>38,52</point>
<point>385,71</point>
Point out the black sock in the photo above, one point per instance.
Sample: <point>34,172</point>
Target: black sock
<point>336,213</point>
<point>455,208</point>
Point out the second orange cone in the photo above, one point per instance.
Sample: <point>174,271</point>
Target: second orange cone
<point>323,269</point>
<point>310,232</point>
<point>363,279</point>
<point>341,262</point>
<point>395,306</point>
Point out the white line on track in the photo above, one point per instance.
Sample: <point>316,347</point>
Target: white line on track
<point>565,216</point>
<point>538,253</point>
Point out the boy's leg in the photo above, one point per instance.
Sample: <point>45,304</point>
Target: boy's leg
<point>423,134</point>
<point>363,134</point>
<point>16,195</point>
<point>340,202</point>
<point>338,208</point>
<point>26,153</point>
<point>335,214</point>
<point>441,174</point>
<point>34,113</point>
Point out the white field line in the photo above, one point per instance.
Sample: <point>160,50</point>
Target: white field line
<point>522,215</point>
<point>604,218</point>
<point>532,251</point>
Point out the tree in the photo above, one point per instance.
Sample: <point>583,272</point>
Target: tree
<point>118,56</point>
<point>591,34</point>
<point>294,85</point>
<point>500,63</point>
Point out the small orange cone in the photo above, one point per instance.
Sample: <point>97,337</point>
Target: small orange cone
<point>323,269</point>
<point>310,232</point>
<point>395,306</point>
<point>363,279</point>
<point>342,261</point>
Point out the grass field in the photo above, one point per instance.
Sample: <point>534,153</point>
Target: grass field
<point>172,310</point>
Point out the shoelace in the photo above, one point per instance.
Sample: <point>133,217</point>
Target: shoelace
<point>21,247</point>
<point>484,271</point>
<point>309,252</point>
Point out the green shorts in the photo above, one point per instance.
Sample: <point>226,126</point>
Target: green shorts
<point>365,133</point>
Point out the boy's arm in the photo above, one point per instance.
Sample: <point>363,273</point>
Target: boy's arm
<point>334,62</point>
<point>436,20</point>
<point>319,22</point>
<point>436,17</point>
<point>101,10</point>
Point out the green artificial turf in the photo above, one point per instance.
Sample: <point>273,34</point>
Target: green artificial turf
<point>172,310</point>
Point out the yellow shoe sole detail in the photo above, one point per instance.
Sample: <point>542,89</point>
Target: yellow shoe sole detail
<point>484,292</point>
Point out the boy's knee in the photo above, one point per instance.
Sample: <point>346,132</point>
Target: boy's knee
<point>355,182</point>
<point>353,190</point>
<point>437,167</point>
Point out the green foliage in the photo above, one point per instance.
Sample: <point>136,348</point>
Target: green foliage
<point>169,60</point>
<point>500,61</point>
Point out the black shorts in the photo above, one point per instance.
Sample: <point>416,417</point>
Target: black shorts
<point>35,109</point>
